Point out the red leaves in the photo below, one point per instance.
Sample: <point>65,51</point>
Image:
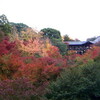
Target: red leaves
<point>3,49</point>
<point>9,65</point>
<point>18,60</point>
<point>39,69</point>
<point>95,52</point>
<point>14,63</point>
<point>6,47</point>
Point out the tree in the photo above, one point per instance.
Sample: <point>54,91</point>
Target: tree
<point>4,25</point>
<point>77,83</point>
<point>19,26</point>
<point>3,20</point>
<point>6,28</point>
<point>66,38</point>
<point>62,47</point>
<point>55,37</point>
<point>51,33</point>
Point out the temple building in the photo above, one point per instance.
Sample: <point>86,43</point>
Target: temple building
<point>79,46</point>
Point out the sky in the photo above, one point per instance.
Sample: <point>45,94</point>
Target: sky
<point>77,18</point>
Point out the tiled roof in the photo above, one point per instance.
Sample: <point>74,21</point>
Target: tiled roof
<point>76,42</point>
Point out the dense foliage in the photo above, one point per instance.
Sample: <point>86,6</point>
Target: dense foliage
<point>78,83</point>
<point>55,38</point>
<point>19,26</point>
<point>31,58</point>
<point>33,67</point>
<point>51,33</point>
<point>6,28</point>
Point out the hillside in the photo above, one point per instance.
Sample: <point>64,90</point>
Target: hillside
<point>37,66</point>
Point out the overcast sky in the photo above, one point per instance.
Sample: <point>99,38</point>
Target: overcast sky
<point>77,18</point>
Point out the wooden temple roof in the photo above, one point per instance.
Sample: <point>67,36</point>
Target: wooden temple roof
<point>77,42</point>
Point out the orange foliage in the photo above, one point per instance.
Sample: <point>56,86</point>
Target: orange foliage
<point>9,65</point>
<point>31,46</point>
<point>39,70</point>
<point>18,59</point>
<point>76,59</point>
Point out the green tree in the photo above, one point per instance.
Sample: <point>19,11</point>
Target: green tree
<point>19,26</point>
<point>62,47</point>
<point>66,38</point>
<point>56,39</point>
<point>3,20</point>
<point>6,28</point>
<point>51,33</point>
<point>78,83</point>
